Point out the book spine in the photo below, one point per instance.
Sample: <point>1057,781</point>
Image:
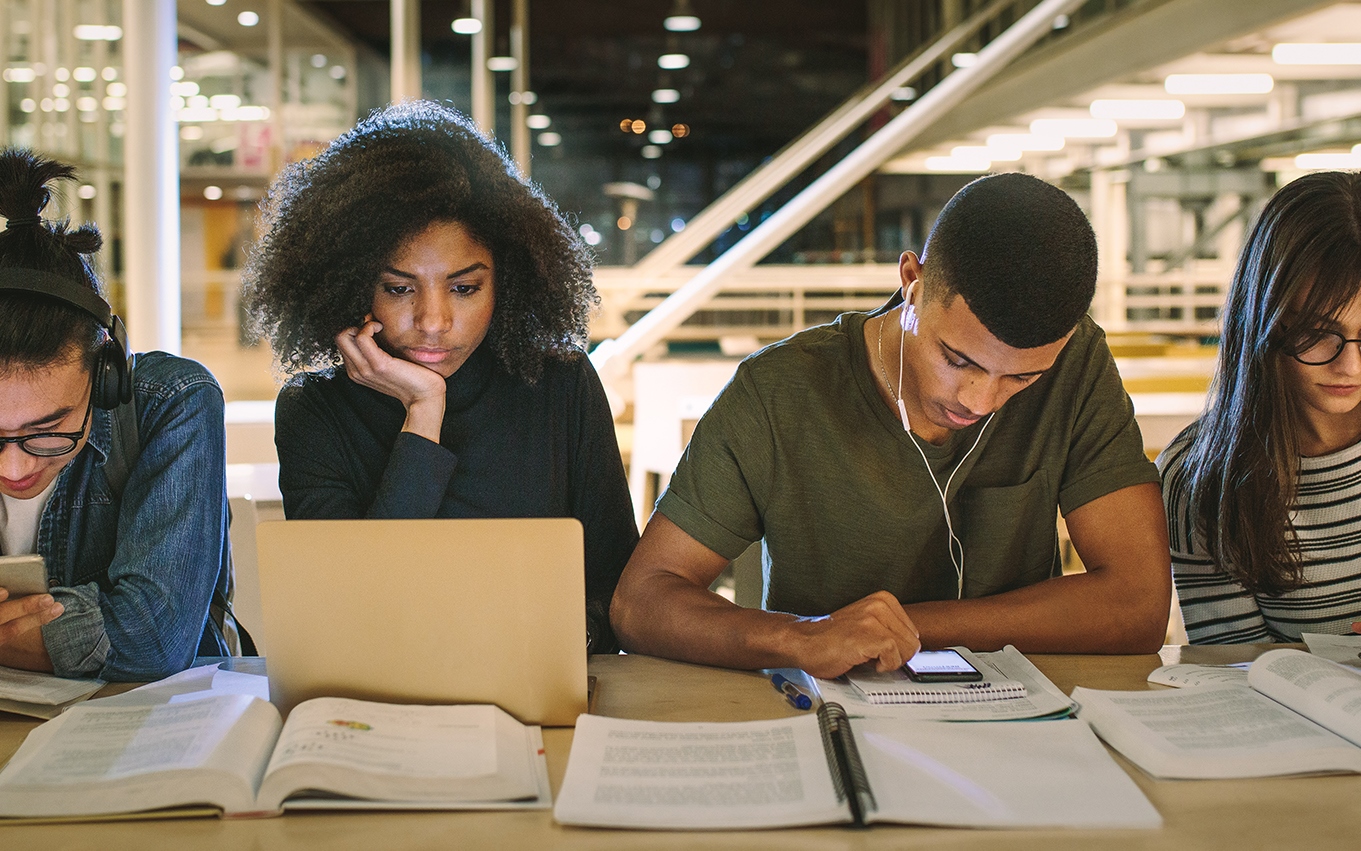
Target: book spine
<point>843,760</point>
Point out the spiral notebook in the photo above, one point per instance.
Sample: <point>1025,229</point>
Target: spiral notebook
<point>896,687</point>
<point>826,768</point>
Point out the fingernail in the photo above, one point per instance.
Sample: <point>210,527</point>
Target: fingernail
<point>57,610</point>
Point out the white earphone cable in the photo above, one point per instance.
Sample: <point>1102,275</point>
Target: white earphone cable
<point>954,542</point>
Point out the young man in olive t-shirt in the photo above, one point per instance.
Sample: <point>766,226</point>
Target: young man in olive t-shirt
<point>904,469</point>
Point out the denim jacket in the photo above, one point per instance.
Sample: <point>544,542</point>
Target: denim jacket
<point>136,572</point>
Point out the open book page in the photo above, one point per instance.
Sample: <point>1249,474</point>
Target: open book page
<point>1213,731</point>
<point>542,800</point>
<point>362,749</point>
<point>1324,691</point>
<point>1343,649</point>
<point>997,775</point>
<point>653,774</point>
<point>110,759</point>
<point>1042,698</point>
<point>1187,676</point>
<point>41,695</point>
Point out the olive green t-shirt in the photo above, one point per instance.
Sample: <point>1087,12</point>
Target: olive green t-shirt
<point>800,451</point>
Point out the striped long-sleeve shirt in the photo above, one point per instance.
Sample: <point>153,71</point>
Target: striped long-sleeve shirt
<point>1327,519</point>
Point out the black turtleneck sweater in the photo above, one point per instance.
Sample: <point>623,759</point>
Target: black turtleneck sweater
<point>507,449</point>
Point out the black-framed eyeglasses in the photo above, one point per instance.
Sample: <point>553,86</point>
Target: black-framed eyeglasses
<point>50,444</point>
<point>1319,347</point>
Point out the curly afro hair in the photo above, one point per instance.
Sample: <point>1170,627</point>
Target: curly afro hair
<point>331,222</point>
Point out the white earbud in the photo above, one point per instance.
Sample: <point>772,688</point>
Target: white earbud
<point>909,314</point>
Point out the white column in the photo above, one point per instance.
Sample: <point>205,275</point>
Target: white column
<point>274,53</point>
<point>484,87</point>
<point>151,178</point>
<point>519,82</point>
<point>406,50</point>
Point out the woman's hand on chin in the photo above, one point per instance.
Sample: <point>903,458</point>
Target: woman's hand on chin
<point>419,388</point>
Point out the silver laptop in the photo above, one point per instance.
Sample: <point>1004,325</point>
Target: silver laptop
<point>427,611</point>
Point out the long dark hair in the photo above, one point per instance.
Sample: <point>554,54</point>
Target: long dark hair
<point>34,330</point>
<point>331,223</point>
<point>1303,256</point>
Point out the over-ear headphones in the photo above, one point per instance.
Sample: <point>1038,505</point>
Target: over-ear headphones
<point>113,365</point>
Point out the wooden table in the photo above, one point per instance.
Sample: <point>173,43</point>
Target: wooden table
<point>1312,812</point>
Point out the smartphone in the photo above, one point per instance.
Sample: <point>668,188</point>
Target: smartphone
<point>941,666</point>
<point>23,575</point>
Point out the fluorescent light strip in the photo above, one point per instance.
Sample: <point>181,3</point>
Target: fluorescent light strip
<point>1161,109</point>
<point>1316,54</point>
<point>1026,141</point>
<point>1218,84</point>
<point>1074,128</point>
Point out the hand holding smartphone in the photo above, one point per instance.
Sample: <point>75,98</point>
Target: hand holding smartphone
<point>23,575</point>
<point>941,666</point>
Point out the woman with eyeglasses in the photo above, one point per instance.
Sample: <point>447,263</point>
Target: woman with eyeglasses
<point>112,469</point>
<point>1263,492</point>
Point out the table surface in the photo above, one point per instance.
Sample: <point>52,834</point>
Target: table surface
<point>1312,812</point>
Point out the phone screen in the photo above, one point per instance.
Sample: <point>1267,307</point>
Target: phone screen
<point>941,666</point>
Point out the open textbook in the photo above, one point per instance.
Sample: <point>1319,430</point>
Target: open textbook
<point>1039,699</point>
<point>824,768</point>
<point>41,695</point>
<point>231,752</point>
<point>1296,714</point>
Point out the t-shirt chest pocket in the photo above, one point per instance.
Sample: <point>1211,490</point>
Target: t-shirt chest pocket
<point>1009,534</point>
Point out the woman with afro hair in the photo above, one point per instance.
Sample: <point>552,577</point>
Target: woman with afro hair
<point>431,308</point>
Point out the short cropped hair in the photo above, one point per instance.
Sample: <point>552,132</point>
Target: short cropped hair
<point>332,222</point>
<point>1021,253</point>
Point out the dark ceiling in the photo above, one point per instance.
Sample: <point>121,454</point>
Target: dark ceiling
<point>761,72</point>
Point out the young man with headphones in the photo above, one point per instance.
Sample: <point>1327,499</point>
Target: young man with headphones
<point>903,470</point>
<point>115,475</point>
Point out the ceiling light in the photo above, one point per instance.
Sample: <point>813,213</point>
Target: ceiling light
<point>86,191</point>
<point>903,93</point>
<point>1026,141</point>
<point>318,60</point>
<point>1161,109</point>
<point>964,60</point>
<point>84,74</point>
<point>673,61</point>
<point>502,63</point>
<point>217,2</point>
<point>538,122</point>
<point>659,137</point>
<point>1328,161</point>
<point>680,131</point>
<point>1218,84</point>
<point>20,75</point>
<point>1074,128</point>
<point>337,72</point>
<point>1317,54</point>
<point>957,165</point>
<point>212,193</point>
<point>651,152</point>
<point>95,32</point>
<point>191,133</point>
<point>681,23</point>
<point>550,139</point>
<point>466,26</point>
<point>981,153</point>
<point>247,19</point>
<point>665,95</point>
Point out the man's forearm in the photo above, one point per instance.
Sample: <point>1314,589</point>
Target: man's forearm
<point>1084,613</point>
<point>670,617</point>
